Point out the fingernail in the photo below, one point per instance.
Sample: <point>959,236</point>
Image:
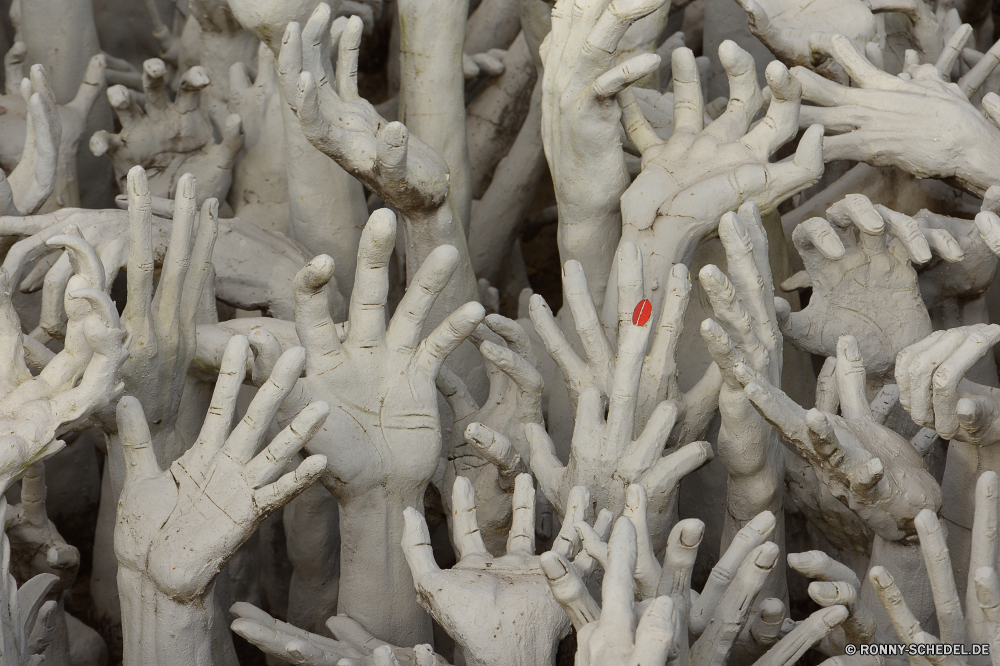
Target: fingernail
<point>767,557</point>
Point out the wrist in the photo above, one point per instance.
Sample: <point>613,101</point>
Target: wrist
<point>376,588</point>
<point>158,630</point>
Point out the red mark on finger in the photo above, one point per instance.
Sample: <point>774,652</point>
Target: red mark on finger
<point>642,312</point>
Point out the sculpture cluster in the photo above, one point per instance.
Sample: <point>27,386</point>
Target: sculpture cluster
<point>292,384</point>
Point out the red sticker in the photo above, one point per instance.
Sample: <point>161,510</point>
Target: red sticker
<point>641,313</point>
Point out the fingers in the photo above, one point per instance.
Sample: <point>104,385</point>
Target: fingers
<point>524,375</point>
<point>246,438</point>
<point>851,380</point>
<point>567,542</point>
<point>950,374</point>
<point>745,243</point>
<point>220,414</point>
<point>465,532</point>
<point>664,479</point>
<point>625,384</point>
<point>745,98</point>
<point>976,77</point>
<point>137,448</point>
<point>755,533</point>
<point>952,50</point>
<point>347,59</point>
<point>443,340</point>
<point>951,621</point>
<point>689,104</point>
<point>782,120</point>
<point>556,343</point>
<point>154,86</point>
<point>545,464</point>
<point>315,43</point>
<point>497,450</point>
<point>569,590</point>
<point>588,324</point>
<point>988,224</point>
<point>767,622</point>
<point>91,86</point>
<point>371,282</point>
<point>811,631</point>
<point>192,83</point>
<point>846,53</point>
<point>733,610</point>
<point>178,257</point>
<point>647,571</point>
<point>678,561</point>
<point>272,497</point>
<point>313,322</point>
<point>670,325</point>
<point>907,230</point>
<point>818,565</point>
<point>618,588</point>
<point>902,618</point>
<point>521,539</point>
<point>622,76</point>
<point>138,313</point>
<point>984,544</point>
<point>200,270</point>
<point>269,463</point>
<point>407,323</point>
<point>630,284</point>
<point>417,545</point>
<point>654,637</point>
<point>787,417</point>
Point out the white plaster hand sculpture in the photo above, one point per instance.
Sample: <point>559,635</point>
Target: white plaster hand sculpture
<point>786,27</point>
<point>170,138</point>
<point>37,548</point>
<point>700,173</point>
<point>383,437</point>
<point>178,527</point>
<point>607,454</point>
<point>745,332</point>
<point>862,285</point>
<point>402,170</point>
<point>954,285</point>
<point>237,281</point>
<point>351,643</point>
<point>498,609</point>
<point>72,121</point>
<point>35,138</point>
<point>75,382</point>
<point>488,444</point>
<point>163,331</point>
<point>259,192</point>
<point>934,390</point>
<point>580,126</point>
<point>162,325</point>
<point>836,584</point>
<point>609,634</point>
<point>657,380</point>
<point>866,124</point>
<point>23,611</point>
<point>871,469</point>
<point>35,543</point>
<point>978,623</point>
<point>722,620</point>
